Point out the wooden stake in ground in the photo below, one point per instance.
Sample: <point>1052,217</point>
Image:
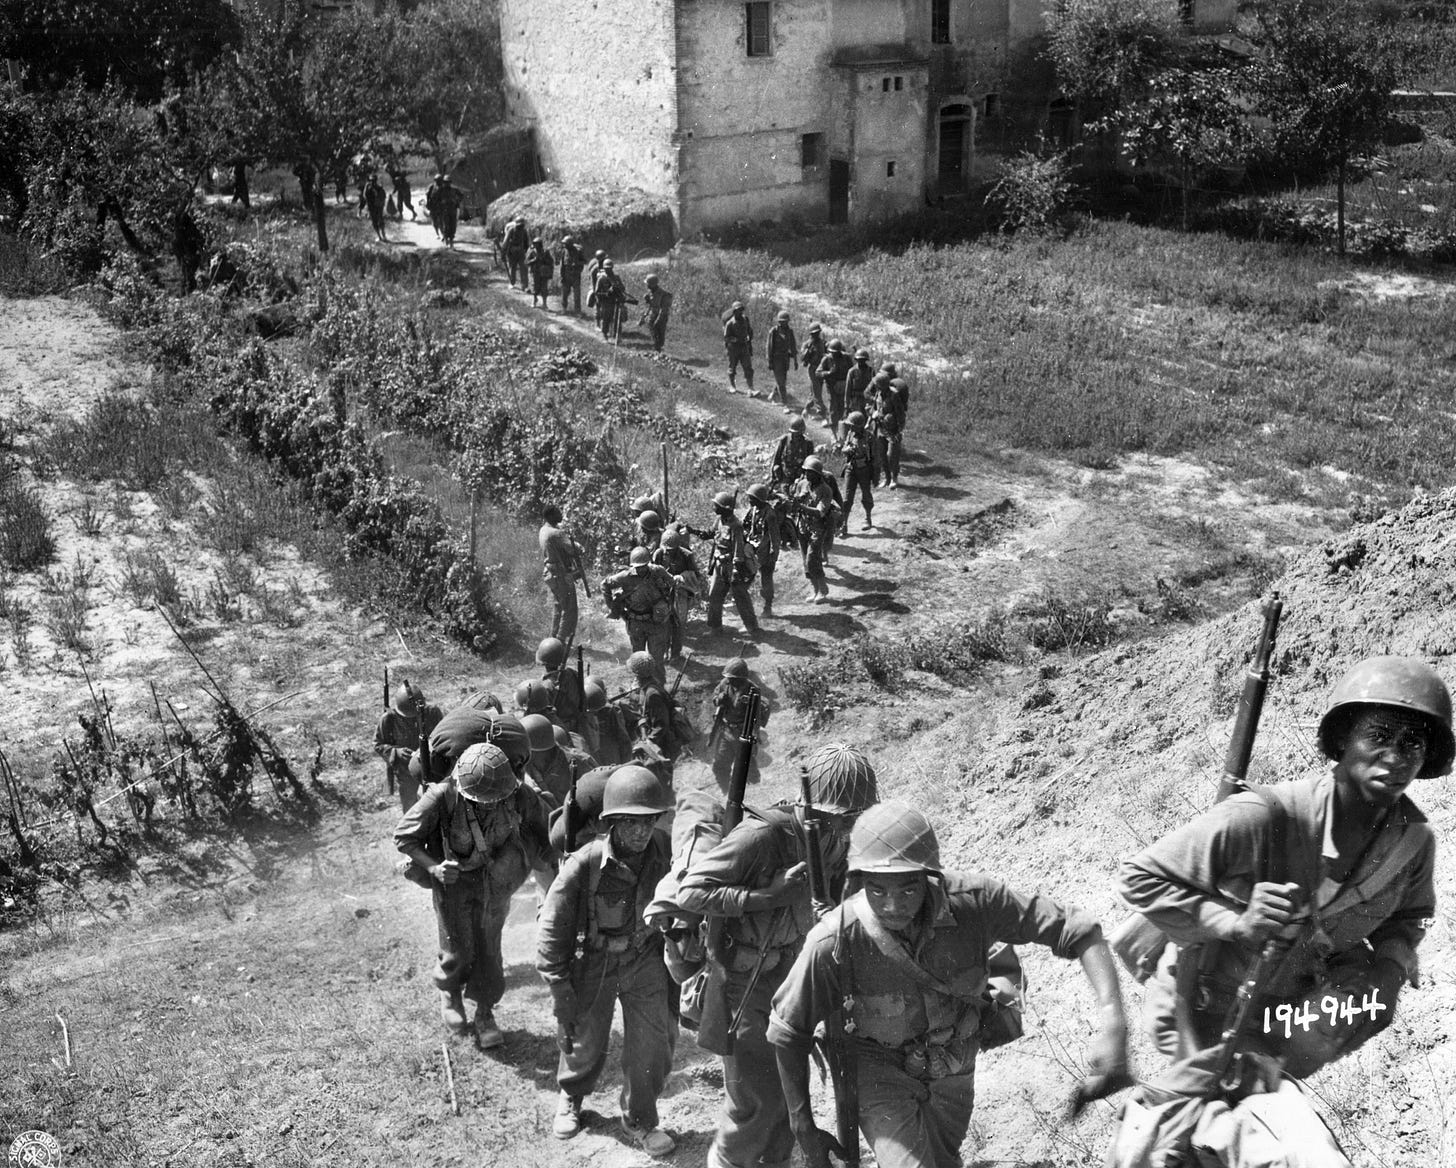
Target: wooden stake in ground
<point>450,1079</point>
<point>65,1038</point>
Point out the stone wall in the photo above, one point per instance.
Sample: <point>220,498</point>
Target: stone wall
<point>596,81</point>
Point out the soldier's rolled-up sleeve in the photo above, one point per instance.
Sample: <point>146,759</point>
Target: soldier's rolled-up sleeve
<point>718,884</point>
<point>1019,919</point>
<point>808,995</point>
<point>557,927</point>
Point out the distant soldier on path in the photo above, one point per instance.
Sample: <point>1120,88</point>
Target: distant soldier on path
<point>432,203</point>
<point>789,454</point>
<point>573,259</point>
<point>541,266</point>
<point>728,568</point>
<point>811,357</point>
<point>397,738</point>
<point>675,555</point>
<point>644,597</point>
<point>448,200</point>
<point>738,343</point>
<point>561,566</point>
<point>514,242</point>
<point>857,381</point>
<point>832,372</point>
<point>781,350</point>
<point>816,515</point>
<point>656,308</point>
<point>372,199</point>
<point>886,427</point>
<point>857,470</point>
<point>730,700</point>
<point>402,194</point>
<point>761,530</point>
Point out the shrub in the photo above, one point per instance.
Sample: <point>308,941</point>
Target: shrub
<point>1052,623</point>
<point>148,578</point>
<point>883,662</point>
<point>1032,193</point>
<point>809,688</point>
<point>962,646</point>
<point>25,529</point>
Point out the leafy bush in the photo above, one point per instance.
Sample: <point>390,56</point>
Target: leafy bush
<point>809,688</point>
<point>962,646</point>
<point>1052,623</point>
<point>25,530</point>
<point>1033,192</point>
<point>883,661</point>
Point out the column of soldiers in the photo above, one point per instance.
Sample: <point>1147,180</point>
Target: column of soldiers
<point>833,922</point>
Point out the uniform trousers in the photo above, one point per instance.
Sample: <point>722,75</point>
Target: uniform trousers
<point>912,1122</point>
<point>470,914</point>
<point>740,355</point>
<point>724,580</point>
<point>655,638</point>
<point>563,620</point>
<point>856,479</point>
<point>753,1126</point>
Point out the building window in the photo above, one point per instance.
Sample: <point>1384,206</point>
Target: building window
<point>889,170</point>
<point>759,28</point>
<point>899,84</point>
<point>940,22</point>
<point>811,150</point>
<point>884,85</point>
<point>993,104</point>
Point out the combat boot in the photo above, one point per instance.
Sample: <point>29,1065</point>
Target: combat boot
<point>452,1009</point>
<point>487,1034</point>
<point>568,1116</point>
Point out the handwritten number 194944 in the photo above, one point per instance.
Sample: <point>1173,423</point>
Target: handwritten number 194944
<point>1331,1007</point>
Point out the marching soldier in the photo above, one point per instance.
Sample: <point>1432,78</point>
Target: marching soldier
<point>549,768</point>
<point>789,454</point>
<point>399,179</point>
<point>372,199</point>
<point>729,569</point>
<point>475,839</point>
<point>913,943</point>
<point>573,259</point>
<point>594,949</point>
<point>611,300</point>
<point>761,531</point>
<point>857,381</point>
<point>656,308</point>
<point>536,697</point>
<point>658,744</point>
<point>738,342</point>
<point>1339,869</point>
<point>541,266</point>
<point>811,356</point>
<point>552,656</point>
<point>675,555</point>
<point>755,883</point>
<point>447,201</point>
<point>816,515</point>
<point>397,738</point>
<point>887,428</point>
<point>514,243</point>
<point>560,567</point>
<point>782,349</point>
<point>730,700</point>
<point>432,202</point>
<point>644,597</point>
<point>607,736</point>
<point>857,470</point>
<point>833,370</point>
<point>647,531</point>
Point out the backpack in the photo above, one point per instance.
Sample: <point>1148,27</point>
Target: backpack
<point>697,828</point>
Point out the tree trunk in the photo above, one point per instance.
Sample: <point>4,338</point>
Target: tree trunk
<point>320,217</point>
<point>1185,195</point>
<point>1340,205</point>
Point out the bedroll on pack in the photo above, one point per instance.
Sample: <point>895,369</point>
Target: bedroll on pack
<point>696,830</point>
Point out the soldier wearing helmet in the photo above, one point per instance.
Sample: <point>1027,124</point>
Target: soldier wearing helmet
<point>789,454</point>
<point>570,263</point>
<point>656,309</point>
<point>611,300</point>
<point>644,597</point>
<point>857,381</point>
<point>1340,865</point>
<point>761,529</point>
<point>781,350</point>
<point>594,949</point>
<point>810,357</point>
<point>550,768</point>
<point>833,370</point>
<point>816,508</point>
<point>648,531</point>
<point>675,556</point>
<point>606,732</point>
<point>397,738</point>
<point>535,697</point>
<point>886,407</point>
<point>755,881</point>
<point>854,444</point>
<point>738,343</point>
<point>730,700</point>
<point>476,838</point>
<point>554,656</point>
<point>730,567</point>
<point>908,956</point>
<point>561,567</point>
<point>542,266</point>
<point>658,743</point>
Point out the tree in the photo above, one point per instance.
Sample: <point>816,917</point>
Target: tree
<point>1324,77</point>
<point>1190,115</point>
<point>145,46</point>
<point>310,93</point>
<point>1105,51</point>
<point>448,86</point>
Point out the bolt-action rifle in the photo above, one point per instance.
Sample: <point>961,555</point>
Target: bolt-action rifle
<point>388,766</point>
<point>571,814</point>
<point>426,775</point>
<point>732,817</point>
<point>839,1055</point>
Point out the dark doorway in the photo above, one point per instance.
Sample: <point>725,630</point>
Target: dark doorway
<point>955,121</point>
<point>838,190</point>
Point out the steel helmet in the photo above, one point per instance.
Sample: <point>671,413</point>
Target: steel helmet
<point>738,667</point>
<point>1404,683</point>
<point>758,491</point>
<point>536,240</point>
<point>560,736</point>
<point>634,790</point>
<point>538,731</point>
<point>816,327</point>
<point>738,306</point>
<point>880,378</point>
<point>837,345</point>
<point>672,539</point>
<point>650,521</point>
<point>508,733</point>
<point>813,463</point>
<point>854,418</point>
<point>841,779</point>
<point>652,281</point>
<point>638,557</point>
<point>783,316</point>
<point>796,424</point>
<point>642,666</point>
<point>405,698</point>
<point>594,694</point>
<point>890,369</point>
<point>483,773</point>
<point>608,264</point>
<point>534,696</point>
<point>644,503</point>
<point>899,383</point>
<point>893,837</point>
<point>723,501</point>
<point>551,652</point>
<point>568,239</point>
<point>861,354</point>
<point>599,254</point>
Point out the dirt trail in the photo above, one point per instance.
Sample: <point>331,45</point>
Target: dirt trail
<point>336,949</point>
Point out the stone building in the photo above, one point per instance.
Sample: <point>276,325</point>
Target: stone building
<point>838,110</point>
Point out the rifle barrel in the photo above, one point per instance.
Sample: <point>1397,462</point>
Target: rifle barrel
<point>1251,703</point>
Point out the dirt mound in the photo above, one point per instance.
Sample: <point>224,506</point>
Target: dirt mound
<point>1105,754</point>
<point>967,535</point>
